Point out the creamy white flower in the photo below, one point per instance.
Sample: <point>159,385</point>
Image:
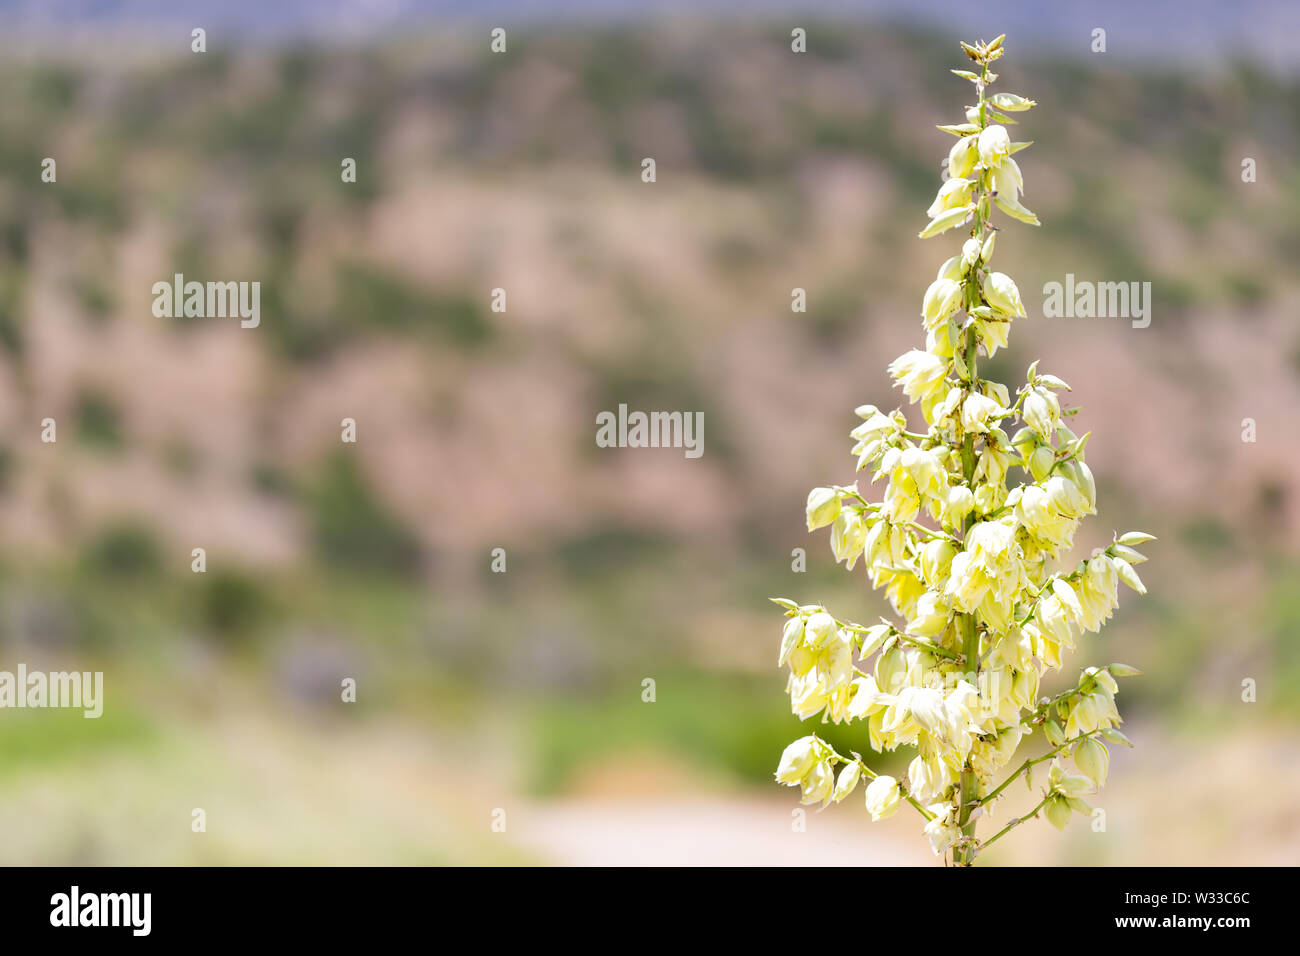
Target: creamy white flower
<point>963,156</point>
<point>942,299</point>
<point>968,582</point>
<point>1066,497</point>
<point>868,700</point>
<point>1001,293</point>
<point>823,507</point>
<point>993,144</point>
<point>990,541</point>
<point>807,692</point>
<point>924,468</point>
<point>942,832</point>
<point>819,629</point>
<point>1091,712</point>
<point>960,502</point>
<point>925,705</point>
<point>978,410</point>
<point>1093,760</point>
<point>1010,102</point>
<point>819,784</point>
<point>952,268</point>
<point>883,797</point>
<point>964,715</point>
<point>1058,813</point>
<point>1041,515</point>
<point>1041,461</point>
<point>936,558</point>
<point>931,616</point>
<point>791,638</point>
<point>847,780</point>
<point>1052,619</point>
<point>952,194</point>
<point>1097,592</point>
<point>848,534</point>
<point>926,779</point>
<point>891,669</point>
<point>1081,475</point>
<point>797,759</point>
<point>874,425</point>
<point>1007,181</point>
<point>989,574</point>
<point>938,341</point>
<point>902,497</point>
<point>1041,412</point>
<point>1067,785</point>
<point>920,373</point>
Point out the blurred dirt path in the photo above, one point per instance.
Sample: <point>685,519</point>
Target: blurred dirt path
<point>693,831</point>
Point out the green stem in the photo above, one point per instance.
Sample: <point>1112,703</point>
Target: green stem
<point>966,623</point>
<point>969,782</point>
<point>928,645</point>
<point>871,775</point>
<point>1014,823</point>
<point>1029,763</point>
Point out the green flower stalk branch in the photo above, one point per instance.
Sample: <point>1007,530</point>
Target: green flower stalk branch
<point>974,569</point>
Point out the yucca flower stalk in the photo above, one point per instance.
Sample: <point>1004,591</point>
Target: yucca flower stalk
<point>975,571</point>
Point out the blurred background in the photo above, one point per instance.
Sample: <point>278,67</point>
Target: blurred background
<point>523,691</point>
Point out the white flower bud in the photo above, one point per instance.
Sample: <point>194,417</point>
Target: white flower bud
<point>1081,474</point>
<point>823,507</point>
<point>986,252</point>
<point>1010,102</point>
<point>891,668</point>
<point>1093,759</point>
<point>930,617</point>
<point>883,797</point>
<point>951,269</point>
<point>936,557</point>
<point>1041,412</point>
<point>962,157</point>
<point>949,219</point>
<point>796,760</point>
<point>961,501</point>
<point>1001,293</point>
<point>791,637</point>
<point>1041,461</point>
<point>1135,538</point>
<point>847,780</point>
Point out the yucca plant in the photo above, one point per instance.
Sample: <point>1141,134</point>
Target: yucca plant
<point>974,569</point>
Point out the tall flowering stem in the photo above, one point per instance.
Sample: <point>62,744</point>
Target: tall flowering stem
<point>975,571</point>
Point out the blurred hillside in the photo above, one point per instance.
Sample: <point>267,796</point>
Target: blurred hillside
<point>476,429</point>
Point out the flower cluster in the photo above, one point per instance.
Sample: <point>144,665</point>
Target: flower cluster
<point>970,565</point>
